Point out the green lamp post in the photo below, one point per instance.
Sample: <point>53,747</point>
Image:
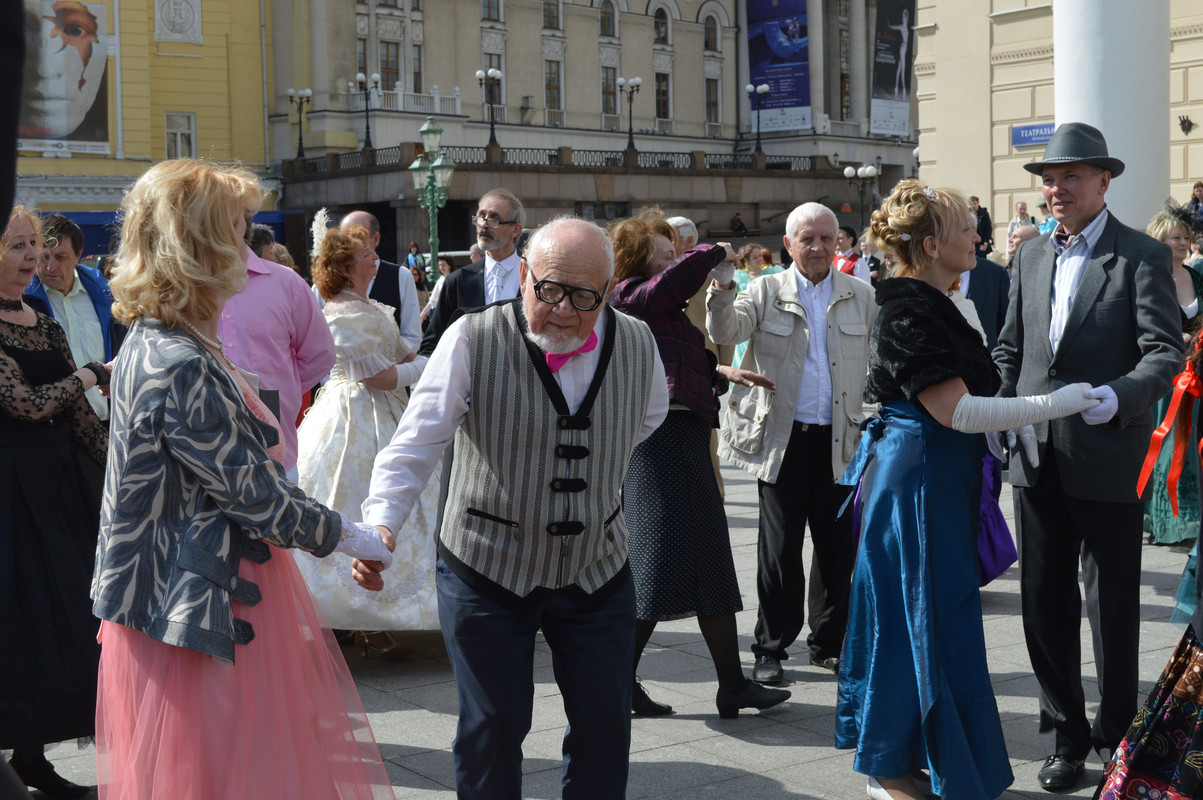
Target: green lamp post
<point>431,172</point>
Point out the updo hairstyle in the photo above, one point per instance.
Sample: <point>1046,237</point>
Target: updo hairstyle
<point>336,259</point>
<point>912,213</point>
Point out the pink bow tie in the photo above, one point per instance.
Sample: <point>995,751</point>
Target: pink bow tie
<point>557,360</point>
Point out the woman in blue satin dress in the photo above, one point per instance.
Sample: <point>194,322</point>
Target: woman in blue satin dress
<point>914,689</point>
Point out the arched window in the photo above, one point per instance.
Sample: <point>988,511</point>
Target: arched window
<point>711,37</point>
<point>607,18</point>
<point>661,26</point>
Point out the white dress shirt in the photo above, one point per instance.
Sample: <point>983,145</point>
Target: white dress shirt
<point>77,316</point>
<point>438,406</point>
<point>501,278</point>
<point>1070,266</point>
<point>814,393</point>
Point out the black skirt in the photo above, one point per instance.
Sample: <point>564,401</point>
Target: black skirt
<point>680,548</point>
<point>48,649</point>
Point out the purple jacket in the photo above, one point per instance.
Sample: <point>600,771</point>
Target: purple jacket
<point>659,301</point>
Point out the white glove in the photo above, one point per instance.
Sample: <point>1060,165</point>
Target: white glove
<point>724,273</point>
<point>981,414</point>
<point>361,540</point>
<point>408,374</point>
<point>1026,435</point>
<point>994,445</point>
<point>1106,409</point>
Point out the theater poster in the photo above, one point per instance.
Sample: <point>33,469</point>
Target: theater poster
<point>778,55</point>
<point>893,57</point>
<point>64,98</point>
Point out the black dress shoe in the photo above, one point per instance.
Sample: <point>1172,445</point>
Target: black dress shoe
<point>831,663</point>
<point>753,695</point>
<point>767,670</point>
<point>1061,773</point>
<point>644,706</point>
<point>39,774</point>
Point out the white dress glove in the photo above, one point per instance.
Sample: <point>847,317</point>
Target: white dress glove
<point>1107,408</point>
<point>361,540</point>
<point>981,414</point>
<point>408,374</point>
<point>1025,436</point>
<point>724,273</point>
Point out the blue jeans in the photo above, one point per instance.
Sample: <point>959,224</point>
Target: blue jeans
<point>492,652</point>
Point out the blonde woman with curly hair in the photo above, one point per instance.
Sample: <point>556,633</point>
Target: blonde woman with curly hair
<point>353,417</point>
<point>914,689</point>
<point>216,676</point>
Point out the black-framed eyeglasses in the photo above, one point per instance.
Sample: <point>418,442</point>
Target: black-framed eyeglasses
<point>492,223</point>
<point>552,292</point>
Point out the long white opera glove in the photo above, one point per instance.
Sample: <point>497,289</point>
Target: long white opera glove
<point>361,540</point>
<point>408,374</point>
<point>981,414</point>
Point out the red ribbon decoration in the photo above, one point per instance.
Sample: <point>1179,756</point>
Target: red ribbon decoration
<point>1187,383</point>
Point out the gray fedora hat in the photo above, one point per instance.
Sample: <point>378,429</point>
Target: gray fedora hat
<point>1077,141</point>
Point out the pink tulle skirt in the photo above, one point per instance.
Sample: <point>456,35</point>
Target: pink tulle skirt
<point>285,721</point>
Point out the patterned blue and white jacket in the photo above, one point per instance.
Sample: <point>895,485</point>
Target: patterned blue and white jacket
<point>189,491</point>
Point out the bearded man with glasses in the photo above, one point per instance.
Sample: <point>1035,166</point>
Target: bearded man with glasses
<point>498,223</point>
<point>546,397</point>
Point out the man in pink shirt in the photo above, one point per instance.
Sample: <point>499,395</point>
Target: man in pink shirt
<point>275,329</point>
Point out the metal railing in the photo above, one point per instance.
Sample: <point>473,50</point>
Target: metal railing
<point>351,160</point>
<point>730,161</point>
<point>388,156</point>
<point>611,122</point>
<point>664,126</point>
<point>554,117</point>
<point>467,155</point>
<point>530,156</point>
<point>596,158</point>
<point>498,113</point>
<point>792,163</point>
<point>384,100</point>
<point>666,160</point>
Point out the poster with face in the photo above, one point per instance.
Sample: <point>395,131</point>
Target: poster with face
<point>779,56</point>
<point>64,100</point>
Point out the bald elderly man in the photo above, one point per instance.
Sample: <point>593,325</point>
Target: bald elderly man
<point>546,396</point>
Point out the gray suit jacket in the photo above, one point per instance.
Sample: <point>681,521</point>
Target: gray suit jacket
<point>1123,331</point>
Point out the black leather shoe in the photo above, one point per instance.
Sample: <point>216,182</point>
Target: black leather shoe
<point>1061,773</point>
<point>831,663</point>
<point>767,670</point>
<point>644,706</point>
<point>39,774</point>
<point>753,695</point>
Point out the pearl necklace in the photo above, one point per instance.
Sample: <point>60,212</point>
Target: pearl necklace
<point>216,344</point>
<point>356,295</point>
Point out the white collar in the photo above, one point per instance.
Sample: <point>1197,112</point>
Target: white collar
<point>506,265</point>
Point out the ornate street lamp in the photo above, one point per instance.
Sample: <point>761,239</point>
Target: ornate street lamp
<point>432,179</point>
<point>367,87</point>
<point>490,84</point>
<point>860,177</point>
<point>630,87</point>
<point>759,91</point>
<point>301,98</point>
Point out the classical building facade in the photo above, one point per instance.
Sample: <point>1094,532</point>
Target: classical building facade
<point>984,78</point>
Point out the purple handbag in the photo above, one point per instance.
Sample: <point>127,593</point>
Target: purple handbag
<point>995,547</point>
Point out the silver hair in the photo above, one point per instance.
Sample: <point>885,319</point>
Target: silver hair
<point>685,228</point>
<point>809,212</point>
<point>517,211</point>
<point>541,241</point>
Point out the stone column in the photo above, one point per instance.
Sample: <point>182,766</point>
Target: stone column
<point>858,41</point>
<point>1111,71</point>
<point>814,30</point>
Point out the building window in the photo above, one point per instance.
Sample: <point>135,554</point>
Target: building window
<point>661,26</point>
<point>842,8</point>
<point>415,5</point>
<point>607,18</point>
<point>663,107</point>
<point>609,87</point>
<point>389,3</point>
<point>551,85</point>
<point>417,51</point>
<point>845,75</point>
<point>390,64</point>
<point>493,61</point>
<point>490,10</point>
<point>712,100</point>
<point>551,14</point>
<point>361,56</point>
<point>181,134</point>
<point>711,37</point>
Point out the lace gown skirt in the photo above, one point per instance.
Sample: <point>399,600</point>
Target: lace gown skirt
<point>336,448</point>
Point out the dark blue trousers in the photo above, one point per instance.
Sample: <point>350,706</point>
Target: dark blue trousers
<point>492,651</point>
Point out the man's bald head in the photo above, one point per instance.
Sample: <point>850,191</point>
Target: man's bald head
<point>1018,237</point>
<point>364,220</point>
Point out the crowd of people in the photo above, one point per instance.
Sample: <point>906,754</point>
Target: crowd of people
<point>529,447</point>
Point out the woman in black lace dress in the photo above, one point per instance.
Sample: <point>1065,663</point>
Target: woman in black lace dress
<point>48,526</point>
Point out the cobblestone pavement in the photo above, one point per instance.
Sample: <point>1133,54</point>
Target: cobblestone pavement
<point>785,752</point>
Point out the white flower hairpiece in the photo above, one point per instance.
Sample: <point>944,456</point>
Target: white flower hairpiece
<point>906,237</point>
<point>931,195</point>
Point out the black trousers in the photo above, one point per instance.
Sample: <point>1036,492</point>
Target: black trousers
<point>1054,532</point>
<point>805,492</point>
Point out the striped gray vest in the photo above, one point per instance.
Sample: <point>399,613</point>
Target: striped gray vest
<point>535,493</point>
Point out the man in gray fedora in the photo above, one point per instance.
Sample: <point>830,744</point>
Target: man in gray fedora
<point>1093,302</point>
